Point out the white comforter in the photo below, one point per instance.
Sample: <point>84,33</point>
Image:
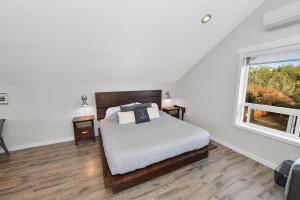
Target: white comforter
<point>133,146</point>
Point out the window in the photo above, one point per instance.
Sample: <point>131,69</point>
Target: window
<point>269,93</point>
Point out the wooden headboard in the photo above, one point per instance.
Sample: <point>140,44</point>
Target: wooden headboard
<point>105,100</point>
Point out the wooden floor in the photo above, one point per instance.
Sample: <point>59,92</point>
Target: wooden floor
<point>64,171</point>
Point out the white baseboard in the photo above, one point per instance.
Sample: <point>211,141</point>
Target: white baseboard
<point>42,143</point>
<point>37,144</point>
<point>245,153</point>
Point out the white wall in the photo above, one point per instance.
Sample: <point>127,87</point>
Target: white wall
<point>42,114</point>
<point>208,89</point>
<point>43,41</point>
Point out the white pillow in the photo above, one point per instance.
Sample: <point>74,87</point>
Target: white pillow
<point>111,110</point>
<point>126,117</point>
<point>154,105</point>
<point>153,112</point>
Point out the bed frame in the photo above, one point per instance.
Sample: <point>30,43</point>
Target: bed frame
<point>122,182</point>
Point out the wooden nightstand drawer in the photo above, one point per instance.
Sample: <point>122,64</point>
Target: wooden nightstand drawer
<point>173,112</point>
<point>85,132</point>
<point>79,125</point>
<point>83,128</point>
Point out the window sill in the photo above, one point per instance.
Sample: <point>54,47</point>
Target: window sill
<point>270,133</point>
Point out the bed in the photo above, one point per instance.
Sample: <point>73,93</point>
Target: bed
<point>135,153</point>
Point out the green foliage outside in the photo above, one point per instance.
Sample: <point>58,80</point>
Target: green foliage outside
<point>274,86</point>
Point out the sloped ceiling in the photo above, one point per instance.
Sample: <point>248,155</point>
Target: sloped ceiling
<point>95,41</point>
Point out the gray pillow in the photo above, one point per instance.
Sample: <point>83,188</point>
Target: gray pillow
<point>147,105</point>
<point>132,107</point>
<point>127,108</point>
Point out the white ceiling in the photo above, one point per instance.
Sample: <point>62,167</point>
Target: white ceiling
<point>95,41</point>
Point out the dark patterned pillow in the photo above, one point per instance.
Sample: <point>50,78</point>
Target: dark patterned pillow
<point>141,115</point>
<point>132,107</point>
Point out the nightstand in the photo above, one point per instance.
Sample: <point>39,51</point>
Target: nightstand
<point>175,111</point>
<point>84,128</point>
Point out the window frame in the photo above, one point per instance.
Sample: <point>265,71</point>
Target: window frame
<point>288,44</point>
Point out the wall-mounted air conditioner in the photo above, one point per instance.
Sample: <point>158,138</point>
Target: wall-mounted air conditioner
<point>284,16</point>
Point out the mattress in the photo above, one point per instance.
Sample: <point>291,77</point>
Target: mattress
<point>133,146</point>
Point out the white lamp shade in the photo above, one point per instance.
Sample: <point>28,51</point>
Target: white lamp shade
<point>168,103</point>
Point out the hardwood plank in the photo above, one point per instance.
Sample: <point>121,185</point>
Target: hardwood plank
<point>64,171</point>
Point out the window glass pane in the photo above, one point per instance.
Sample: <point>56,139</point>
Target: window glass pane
<point>274,84</point>
<point>269,119</point>
<point>245,114</point>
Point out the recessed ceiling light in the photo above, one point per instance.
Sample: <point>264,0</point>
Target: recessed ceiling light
<point>206,19</point>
